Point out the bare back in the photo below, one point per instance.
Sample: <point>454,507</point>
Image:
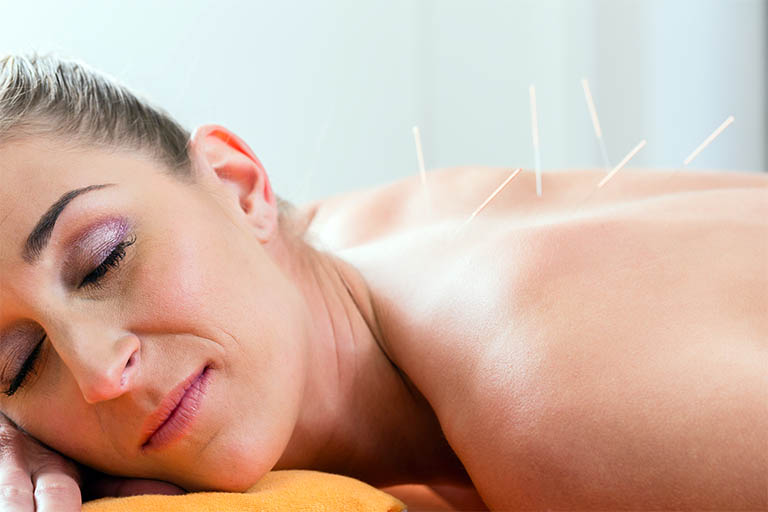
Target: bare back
<point>586,349</point>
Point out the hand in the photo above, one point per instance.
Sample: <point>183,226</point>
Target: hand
<point>34,478</point>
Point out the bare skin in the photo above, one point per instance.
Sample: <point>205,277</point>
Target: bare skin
<point>515,357</point>
<point>582,350</point>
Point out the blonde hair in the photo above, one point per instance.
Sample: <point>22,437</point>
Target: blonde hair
<point>48,95</point>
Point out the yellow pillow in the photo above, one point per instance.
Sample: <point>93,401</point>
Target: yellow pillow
<point>295,490</point>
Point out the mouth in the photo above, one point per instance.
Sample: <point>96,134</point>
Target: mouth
<point>175,416</point>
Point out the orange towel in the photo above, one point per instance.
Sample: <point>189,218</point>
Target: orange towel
<point>278,491</point>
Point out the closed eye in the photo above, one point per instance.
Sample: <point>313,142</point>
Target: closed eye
<point>110,262</point>
<point>26,368</point>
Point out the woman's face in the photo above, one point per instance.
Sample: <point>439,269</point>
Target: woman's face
<point>195,289</point>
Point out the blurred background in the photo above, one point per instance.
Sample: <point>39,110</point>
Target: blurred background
<point>326,92</point>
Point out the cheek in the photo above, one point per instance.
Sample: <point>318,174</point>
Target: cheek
<point>212,278</point>
<point>171,285</point>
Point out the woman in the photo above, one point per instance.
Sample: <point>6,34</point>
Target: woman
<point>581,350</point>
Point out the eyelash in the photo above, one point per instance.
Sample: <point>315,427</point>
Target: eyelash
<point>26,368</point>
<point>112,261</point>
<point>91,280</point>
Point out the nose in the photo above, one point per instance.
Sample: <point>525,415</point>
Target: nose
<point>103,368</point>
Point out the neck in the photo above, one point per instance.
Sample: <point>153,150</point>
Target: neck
<point>361,416</point>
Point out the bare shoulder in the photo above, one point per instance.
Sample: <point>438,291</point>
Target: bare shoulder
<point>609,361</point>
<point>361,216</point>
<point>365,215</point>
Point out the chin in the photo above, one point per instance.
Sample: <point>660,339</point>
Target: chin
<point>234,471</point>
<point>224,481</point>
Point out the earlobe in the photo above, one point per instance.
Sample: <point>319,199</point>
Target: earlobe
<point>226,162</point>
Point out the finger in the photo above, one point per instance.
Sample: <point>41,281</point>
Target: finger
<point>15,480</point>
<point>56,489</point>
<point>16,491</point>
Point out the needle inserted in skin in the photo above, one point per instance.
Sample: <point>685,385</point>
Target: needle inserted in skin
<point>535,135</point>
<point>420,156</point>
<point>422,171</point>
<point>708,140</point>
<point>490,198</point>
<point>595,122</point>
<point>622,163</point>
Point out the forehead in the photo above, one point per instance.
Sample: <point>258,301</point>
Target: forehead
<point>35,173</point>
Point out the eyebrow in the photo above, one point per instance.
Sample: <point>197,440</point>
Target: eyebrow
<point>41,233</point>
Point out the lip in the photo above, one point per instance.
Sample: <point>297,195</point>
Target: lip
<point>174,417</point>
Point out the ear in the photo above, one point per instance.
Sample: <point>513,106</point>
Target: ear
<point>224,161</point>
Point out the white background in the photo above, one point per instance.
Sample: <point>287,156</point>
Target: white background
<point>326,93</point>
